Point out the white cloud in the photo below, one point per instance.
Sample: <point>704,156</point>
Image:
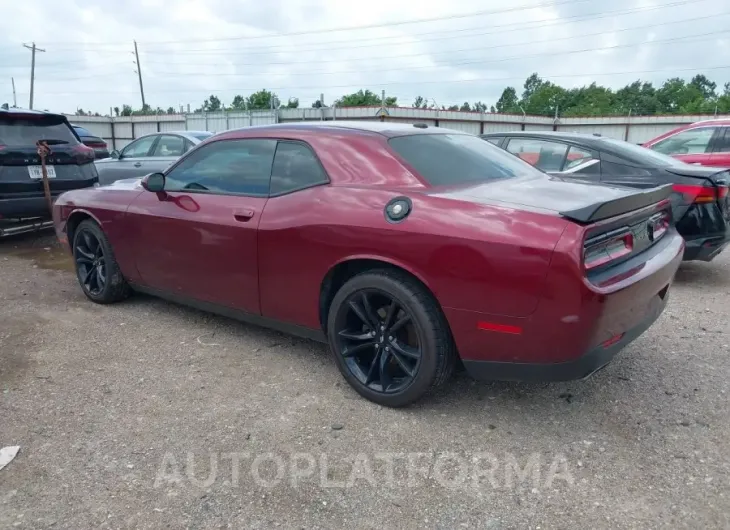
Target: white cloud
<point>226,48</point>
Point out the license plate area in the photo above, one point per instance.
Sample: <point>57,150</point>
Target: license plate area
<point>36,172</point>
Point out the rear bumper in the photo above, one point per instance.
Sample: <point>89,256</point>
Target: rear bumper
<point>705,248</point>
<point>33,204</point>
<point>579,368</point>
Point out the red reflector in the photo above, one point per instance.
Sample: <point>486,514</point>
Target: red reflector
<point>700,194</point>
<point>612,340</point>
<point>500,328</point>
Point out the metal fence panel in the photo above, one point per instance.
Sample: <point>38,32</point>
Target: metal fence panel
<point>471,127</point>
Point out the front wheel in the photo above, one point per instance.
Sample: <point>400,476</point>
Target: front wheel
<point>96,267</point>
<point>389,337</point>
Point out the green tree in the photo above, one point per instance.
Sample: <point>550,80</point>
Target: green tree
<point>170,110</point>
<point>261,100</point>
<point>126,110</point>
<point>238,103</point>
<point>705,86</point>
<point>364,98</point>
<point>465,106</point>
<point>293,103</point>
<point>453,107</point>
<point>507,102</point>
<point>317,105</point>
<point>420,103</point>
<point>116,111</point>
<point>479,107</point>
<point>212,104</point>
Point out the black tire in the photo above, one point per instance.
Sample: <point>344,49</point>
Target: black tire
<point>425,319</point>
<point>90,239</point>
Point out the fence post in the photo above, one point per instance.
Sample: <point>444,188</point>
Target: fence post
<point>114,139</point>
<point>228,127</point>
<point>205,117</point>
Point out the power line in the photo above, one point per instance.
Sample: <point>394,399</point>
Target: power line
<point>409,82</point>
<point>356,28</point>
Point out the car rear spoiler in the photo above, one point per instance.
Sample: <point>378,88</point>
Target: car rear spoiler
<point>605,210</point>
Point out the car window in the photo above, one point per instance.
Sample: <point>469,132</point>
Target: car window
<point>241,167</point>
<point>295,167</point>
<point>722,145</point>
<point>448,159</point>
<point>609,168</point>
<point>139,148</point>
<point>581,161</point>
<point>169,145</point>
<point>545,155</point>
<point>493,139</point>
<point>83,132</point>
<point>689,142</point>
<point>23,132</point>
<point>202,135</point>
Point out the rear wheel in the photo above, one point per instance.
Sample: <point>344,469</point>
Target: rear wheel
<point>389,338</point>
<point>96,268</point>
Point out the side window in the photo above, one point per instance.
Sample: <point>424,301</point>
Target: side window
<point>689,142</point>
<point>139,148</point>
<point>548,156</point>
<point>493,139</point>
<point>169,145</point>
<point>239,167</point>
<point>295,167</point>
<point>581,162</point>
<point>722,144</point>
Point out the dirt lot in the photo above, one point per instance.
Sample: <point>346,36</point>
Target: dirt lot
<point>149,415</point>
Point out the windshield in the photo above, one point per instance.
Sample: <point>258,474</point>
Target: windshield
<point>448,159</point>
<point>641,154</point>
<point>26,132</point>
<point>81,131</point>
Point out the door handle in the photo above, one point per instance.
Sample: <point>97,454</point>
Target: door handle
<point>243,215</point>
<point>138,164</point>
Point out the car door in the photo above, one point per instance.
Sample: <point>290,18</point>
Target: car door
<point>166,151</point>
<point>129,164</point>
<point>720,155</point>
<point>690,145</point>
<point>197,239</point>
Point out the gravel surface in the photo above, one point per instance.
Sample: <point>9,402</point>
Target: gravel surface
<point>146,414</point>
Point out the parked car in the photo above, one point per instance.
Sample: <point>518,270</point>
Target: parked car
<point>706,143</point>
<point>148,154</point>
<point>97,144</point>
<point>69,166</point>
<point>404,247</point>
<point>700,199</point>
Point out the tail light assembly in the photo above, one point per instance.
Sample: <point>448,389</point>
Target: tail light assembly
<point>605,248</point>
<point>83,154</point>
<point>701,194</point>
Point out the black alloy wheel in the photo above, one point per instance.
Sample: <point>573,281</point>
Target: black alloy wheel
<point>96,267</point>
<point>389,337</point>
<point>90,262</point>
<point>378,341</point>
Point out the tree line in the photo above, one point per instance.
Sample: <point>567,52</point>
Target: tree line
<point>539,97</point>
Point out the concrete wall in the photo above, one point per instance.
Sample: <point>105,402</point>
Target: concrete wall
<point>118,132</point>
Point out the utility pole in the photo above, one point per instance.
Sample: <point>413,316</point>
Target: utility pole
<point>33,49</point>
<point>15,99</point>
<point>139,74</point>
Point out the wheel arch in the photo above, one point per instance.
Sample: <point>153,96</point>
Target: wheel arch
<point>348,267</point>
<point>74,220</point>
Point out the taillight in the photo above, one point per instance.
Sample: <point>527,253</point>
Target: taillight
<point>83,154</point>
<point>606,248</point>
<point>659,224</point>
<point>700,194</point>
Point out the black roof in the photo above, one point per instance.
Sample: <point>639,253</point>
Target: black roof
<point>581,138</point>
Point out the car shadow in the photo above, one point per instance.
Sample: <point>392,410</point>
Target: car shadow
<point>694,272</point>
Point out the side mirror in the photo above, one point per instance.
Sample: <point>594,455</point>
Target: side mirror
<point>154,182</point>
<point>115,154</point>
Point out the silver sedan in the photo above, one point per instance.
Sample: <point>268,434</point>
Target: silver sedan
<point>148,154</point>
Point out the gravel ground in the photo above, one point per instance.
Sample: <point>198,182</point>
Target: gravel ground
<point>146,414</point>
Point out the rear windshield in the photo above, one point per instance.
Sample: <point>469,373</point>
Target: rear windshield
<point>82,132</point>
<point>641,155</point>
<point>449,159</point>
<point>201,136</point>
<point>26,132</point>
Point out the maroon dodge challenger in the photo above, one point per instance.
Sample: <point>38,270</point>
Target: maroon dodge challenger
<point>407,248</point>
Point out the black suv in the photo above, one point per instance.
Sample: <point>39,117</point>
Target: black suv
<point>69,166</point>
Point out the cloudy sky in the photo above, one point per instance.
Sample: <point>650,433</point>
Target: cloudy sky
<point>446,51</point>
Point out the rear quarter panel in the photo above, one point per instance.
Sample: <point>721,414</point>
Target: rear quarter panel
<point>482,258</point>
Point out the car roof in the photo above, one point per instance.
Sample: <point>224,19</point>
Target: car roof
<point>583,138</point>
<point>17,112</point>
<point>385,128</point>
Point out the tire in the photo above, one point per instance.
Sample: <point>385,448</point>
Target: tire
<point>90,239</point>
<point>348,331</point>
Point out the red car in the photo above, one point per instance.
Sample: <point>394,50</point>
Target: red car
<point>407,248</point>
<point>706,143</point>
